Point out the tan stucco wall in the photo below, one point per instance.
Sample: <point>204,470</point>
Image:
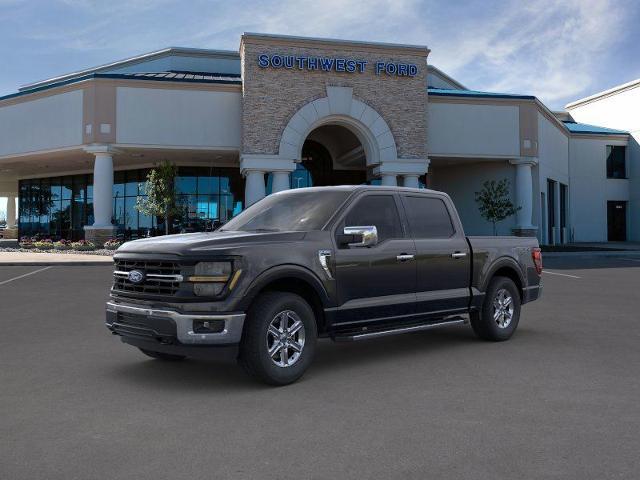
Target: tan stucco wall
<point>271,96</point>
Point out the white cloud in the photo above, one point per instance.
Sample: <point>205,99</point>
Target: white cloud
<point>546,48</point>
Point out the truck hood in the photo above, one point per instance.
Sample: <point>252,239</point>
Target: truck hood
<point>194,243</point>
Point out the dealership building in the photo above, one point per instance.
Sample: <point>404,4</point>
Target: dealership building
<point>288,112</point>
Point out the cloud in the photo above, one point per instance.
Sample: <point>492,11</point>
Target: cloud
<point>547,48</point>
<point>557,50</point>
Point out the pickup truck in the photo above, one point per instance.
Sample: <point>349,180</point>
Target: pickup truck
<point>345,262</point>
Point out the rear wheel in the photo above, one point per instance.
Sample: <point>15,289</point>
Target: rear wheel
<point>162,356</point>
<point>500,313</point>
<point>279,338</point>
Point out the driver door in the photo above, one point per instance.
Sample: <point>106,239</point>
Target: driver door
<point>376,283</point>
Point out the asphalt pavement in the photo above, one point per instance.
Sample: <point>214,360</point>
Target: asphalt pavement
<point>559,400</point>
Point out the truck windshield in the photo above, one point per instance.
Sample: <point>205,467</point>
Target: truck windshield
<point>290,211</point>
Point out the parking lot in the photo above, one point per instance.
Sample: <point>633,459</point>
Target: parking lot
<point>560,400</point>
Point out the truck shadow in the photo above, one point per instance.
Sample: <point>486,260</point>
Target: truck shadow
<point>197,374</point>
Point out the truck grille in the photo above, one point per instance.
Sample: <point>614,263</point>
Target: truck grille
<point>161,277</point>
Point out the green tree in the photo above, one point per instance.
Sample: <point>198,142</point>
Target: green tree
<point>494,202</point>
<point>161,196</point>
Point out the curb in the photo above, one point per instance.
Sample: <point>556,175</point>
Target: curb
<point>53,264</point>
<point>595,253</point>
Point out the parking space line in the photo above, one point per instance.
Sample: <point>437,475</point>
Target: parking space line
<point>25,275</point>
<point>561,274</point>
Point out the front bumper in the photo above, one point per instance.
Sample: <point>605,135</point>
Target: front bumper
<point>169,326</point>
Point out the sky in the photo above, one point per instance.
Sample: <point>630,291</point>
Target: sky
<point>557,50</point>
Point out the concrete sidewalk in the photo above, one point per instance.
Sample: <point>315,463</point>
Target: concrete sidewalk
<point>33,258</point>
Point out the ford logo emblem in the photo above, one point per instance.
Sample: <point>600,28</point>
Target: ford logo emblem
<point>136,276</point>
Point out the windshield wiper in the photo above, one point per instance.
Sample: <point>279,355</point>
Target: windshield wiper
<point>262,230</point>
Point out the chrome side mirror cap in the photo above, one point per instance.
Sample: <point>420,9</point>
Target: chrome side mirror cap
<point>364,236</point>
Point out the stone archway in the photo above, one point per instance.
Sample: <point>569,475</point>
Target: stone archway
<point>340,108</point>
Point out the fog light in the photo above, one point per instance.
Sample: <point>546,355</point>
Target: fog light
<point>208,326</point>
<point>207,289</point>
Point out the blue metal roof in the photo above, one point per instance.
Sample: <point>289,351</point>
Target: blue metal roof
<point>475,93</point>
<point>575,127</point>
<point>188,77</point>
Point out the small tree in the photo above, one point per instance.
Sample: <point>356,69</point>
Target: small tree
<point>161,197</point>
<point>494,202</point>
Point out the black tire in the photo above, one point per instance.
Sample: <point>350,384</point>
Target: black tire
<point>254,347</point>
<point>162,356</point>
<point>484,324</point>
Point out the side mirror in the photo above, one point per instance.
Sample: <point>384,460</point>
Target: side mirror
<point>362,236</point>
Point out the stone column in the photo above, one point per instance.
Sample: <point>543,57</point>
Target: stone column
<point>254,189</point>
<point>411,181</point>
<point>280,181</point>
<point>408,169</point>
<point>389,180</point>
<point>253,167</point>
<point>11,232</point>
<point>102,229</point>
<point>524,197</point>
<point>11,212</point>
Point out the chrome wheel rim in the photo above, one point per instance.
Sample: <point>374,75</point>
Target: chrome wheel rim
<point>503,308</point>
<point>285,338</point>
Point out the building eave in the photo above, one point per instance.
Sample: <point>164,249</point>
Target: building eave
<point>116,76</point>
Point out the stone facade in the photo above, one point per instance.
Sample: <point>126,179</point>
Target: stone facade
<point>272,96</point>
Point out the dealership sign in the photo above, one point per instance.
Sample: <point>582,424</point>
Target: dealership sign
<point>335,64</point>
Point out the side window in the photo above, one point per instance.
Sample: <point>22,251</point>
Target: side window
<point>378,210</point>
<point>428,217</point>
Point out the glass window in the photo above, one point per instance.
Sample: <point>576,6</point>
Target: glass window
<point>289,211</point>
<point>377,210</point>
<point>131,184</point>
<point>616,164</point>
<point>428,217</point>
<point>67,188</point>
<point>118,184</point>
<point>186,184</point>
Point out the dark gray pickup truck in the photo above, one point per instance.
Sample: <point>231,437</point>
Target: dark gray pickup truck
<point>347,263</point>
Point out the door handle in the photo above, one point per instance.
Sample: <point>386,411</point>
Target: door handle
<point>404,257</point>
<point>458,254</point>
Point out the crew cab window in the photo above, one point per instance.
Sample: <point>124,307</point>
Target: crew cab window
<point>378,210</point>
<point>428,217</point>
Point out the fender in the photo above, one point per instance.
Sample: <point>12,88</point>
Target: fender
<point>285,271</point>
<point>497,264</point>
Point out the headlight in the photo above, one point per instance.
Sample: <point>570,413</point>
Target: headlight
<point>210,278</point>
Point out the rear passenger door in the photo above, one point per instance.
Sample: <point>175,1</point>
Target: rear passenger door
<point>442,255</point>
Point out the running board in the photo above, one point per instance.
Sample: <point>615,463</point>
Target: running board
<point>397,331</point>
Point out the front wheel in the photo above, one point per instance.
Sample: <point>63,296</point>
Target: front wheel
<point>500,313</point>
<point>279,338</point>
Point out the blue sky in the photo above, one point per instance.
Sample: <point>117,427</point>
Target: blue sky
<point>557,50</point>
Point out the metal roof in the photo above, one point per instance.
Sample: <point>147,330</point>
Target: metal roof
<point>135,60</point>
<point>186,77</point>
<point>585,128</point>
<point>475,93</point>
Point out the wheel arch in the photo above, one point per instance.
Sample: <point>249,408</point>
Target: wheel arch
<point>293,279</point>
<point>506,267</point>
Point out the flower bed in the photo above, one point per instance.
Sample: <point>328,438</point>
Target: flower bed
<point>62,245</point>
<point>83,246</point>
<point>112,244</point>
